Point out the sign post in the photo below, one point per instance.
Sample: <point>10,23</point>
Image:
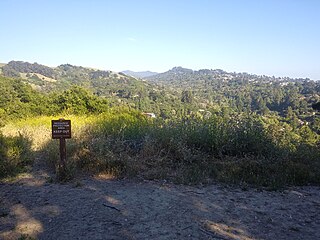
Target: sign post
<point>61,129</point>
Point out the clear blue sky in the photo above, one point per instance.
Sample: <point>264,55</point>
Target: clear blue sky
<point>272,37</point>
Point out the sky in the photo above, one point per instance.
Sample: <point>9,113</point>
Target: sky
<point>265,37</point>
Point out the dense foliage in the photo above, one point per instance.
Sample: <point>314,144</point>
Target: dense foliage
<point>19,100</point>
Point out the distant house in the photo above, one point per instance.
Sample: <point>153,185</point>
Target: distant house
<point>150,115</point>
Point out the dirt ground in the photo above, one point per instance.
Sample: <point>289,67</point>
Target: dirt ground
<point>102,208</point>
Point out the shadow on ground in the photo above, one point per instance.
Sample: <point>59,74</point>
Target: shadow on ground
<point>97,208</point>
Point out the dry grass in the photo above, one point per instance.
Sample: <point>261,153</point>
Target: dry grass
<point>38,129</point>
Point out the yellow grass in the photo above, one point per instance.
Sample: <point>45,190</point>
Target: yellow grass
<point>38,129</point>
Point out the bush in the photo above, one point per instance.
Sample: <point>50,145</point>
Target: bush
<point>15,155</point>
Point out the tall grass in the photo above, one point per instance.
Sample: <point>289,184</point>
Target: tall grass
<point>237,149</point>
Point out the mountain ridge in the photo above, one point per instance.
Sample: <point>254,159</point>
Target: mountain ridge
<point>11,68</point>
<point>46,79</point>
<point>185,77</point>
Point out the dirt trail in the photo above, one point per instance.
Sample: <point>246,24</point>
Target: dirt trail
<point>122,209</point>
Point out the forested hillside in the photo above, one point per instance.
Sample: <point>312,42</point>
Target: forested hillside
<point>242,91</point>
<point>180,91</point>
<point>209,125</point>
<point>48,79</point>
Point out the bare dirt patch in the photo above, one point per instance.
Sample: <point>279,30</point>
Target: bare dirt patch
<point>102,208</point>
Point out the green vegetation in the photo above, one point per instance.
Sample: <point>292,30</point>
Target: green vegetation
<point>238,149</point>
<point>210,126</point>
<point>15,155</point>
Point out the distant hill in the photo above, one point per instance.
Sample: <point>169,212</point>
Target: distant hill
<point>100,82</point>
<point>14,68</point>
<point>143,74</point>
<point>188,78</point>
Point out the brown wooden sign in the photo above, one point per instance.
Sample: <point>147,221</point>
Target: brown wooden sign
<point>61,128</point>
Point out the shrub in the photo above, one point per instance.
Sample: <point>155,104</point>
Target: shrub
<point>15,154</point>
